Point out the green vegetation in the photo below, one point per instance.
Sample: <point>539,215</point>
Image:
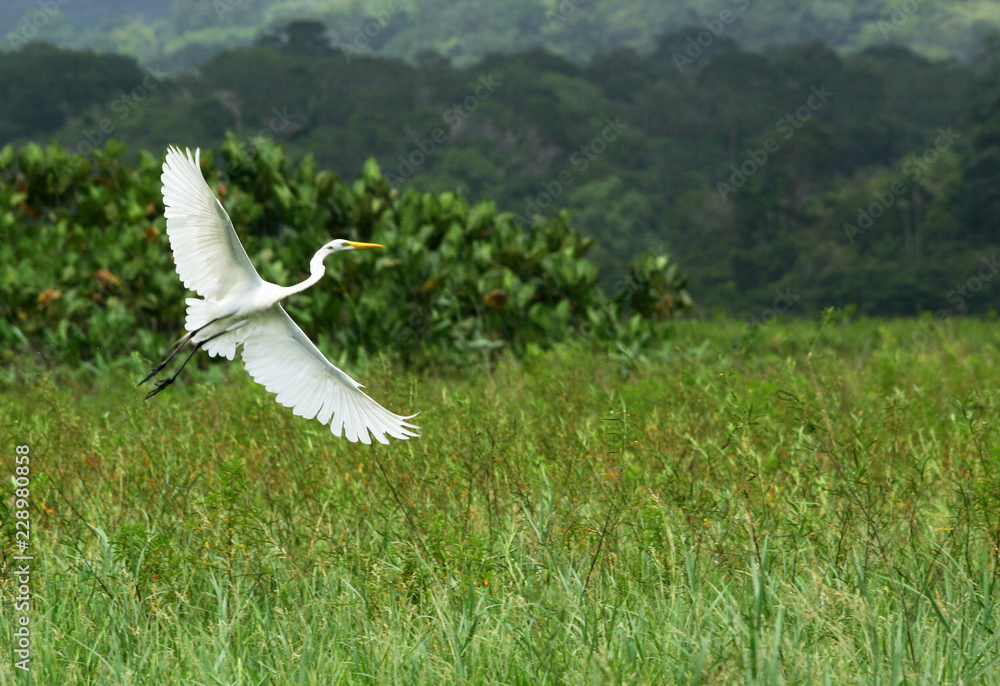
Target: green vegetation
<point>795,504</point>
<point>603,492</point>
<point>795,170</point>
<point>86,273</point>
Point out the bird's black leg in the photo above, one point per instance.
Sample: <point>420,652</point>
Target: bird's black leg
<point>177,348</point>
<point>163,383</point>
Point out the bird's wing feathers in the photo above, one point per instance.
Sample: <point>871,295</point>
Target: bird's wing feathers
<point>210,258</point>
<point>280,357</point>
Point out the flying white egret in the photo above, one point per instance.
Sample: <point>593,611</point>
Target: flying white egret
<point>237,307</point>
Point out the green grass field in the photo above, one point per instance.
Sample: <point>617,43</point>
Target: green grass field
<point>821,507</point>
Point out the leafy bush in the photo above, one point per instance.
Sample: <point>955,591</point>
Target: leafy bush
<point>86,271</point>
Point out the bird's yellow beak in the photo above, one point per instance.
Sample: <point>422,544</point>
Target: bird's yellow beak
<point>355,244</point>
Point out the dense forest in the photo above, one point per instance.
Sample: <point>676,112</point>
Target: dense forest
<point>179,34</point>
<point>794,177</point>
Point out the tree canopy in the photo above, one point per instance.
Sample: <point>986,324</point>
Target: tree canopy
<point>792,168</point>
<point>180,34</point>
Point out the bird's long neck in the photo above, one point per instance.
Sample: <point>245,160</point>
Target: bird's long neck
<point>316,271</point>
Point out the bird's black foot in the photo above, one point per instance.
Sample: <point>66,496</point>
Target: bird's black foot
<point>153,372</point>
<point>160,385</point>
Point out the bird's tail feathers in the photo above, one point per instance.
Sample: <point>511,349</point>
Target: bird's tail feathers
<point>200,313</point>
<point>206,321</point>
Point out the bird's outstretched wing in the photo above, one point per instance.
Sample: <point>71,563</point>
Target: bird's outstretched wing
<point>209,256</point>
<point>280,357</point>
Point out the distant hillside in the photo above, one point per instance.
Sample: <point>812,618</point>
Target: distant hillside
<point>793,173</point>
<point>179,34</point>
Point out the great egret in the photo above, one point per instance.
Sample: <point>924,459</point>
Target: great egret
<point>237,307</point>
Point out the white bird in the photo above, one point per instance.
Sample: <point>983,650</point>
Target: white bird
<point>237,307</point>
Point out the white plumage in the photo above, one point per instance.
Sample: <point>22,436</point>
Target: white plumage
<point>237,308</point>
